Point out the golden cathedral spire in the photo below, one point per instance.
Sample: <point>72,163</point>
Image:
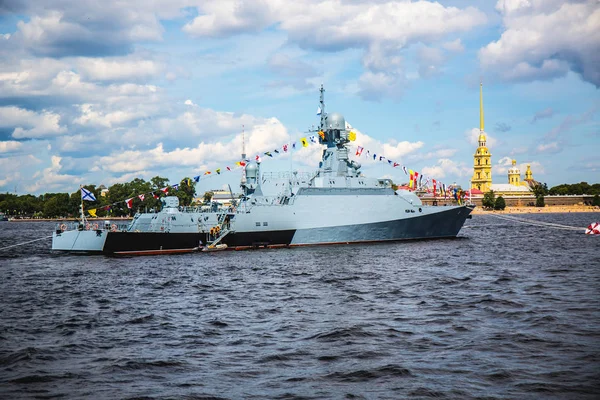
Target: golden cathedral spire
<point>481,127</point>
<point>482,159</point>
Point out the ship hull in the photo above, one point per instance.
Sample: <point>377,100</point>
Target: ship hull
<point>440,224</point>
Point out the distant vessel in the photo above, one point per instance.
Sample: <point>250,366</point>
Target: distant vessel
<point>336,204</point>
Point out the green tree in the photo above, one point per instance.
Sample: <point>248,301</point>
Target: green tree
<point>57,206</point>
<point>489,200</point>
<point>539,191</point>
<point>596,201</point>
<point>186,191</point>
<point>499,204</point>
<point>208,196</point>
<point>540,201</point>
<point>159,182</point>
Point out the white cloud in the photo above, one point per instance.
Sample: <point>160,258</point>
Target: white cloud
<point>392,150</point>
<point>118,68</point>
<point>226,17</point>
<point>454,46</point>
<point>447,168</point>
<point>90,28</point>
<point>552,147</point>
<point>50,178</point>
<point>473,138</point>
<point>531,48</point>
<point>262,136</point>
<point>29,124</point>
<point>382,29</point>
<point>430,60</point>
<point>504,163</point>
<point>10,146</point>
<point>97,118</point>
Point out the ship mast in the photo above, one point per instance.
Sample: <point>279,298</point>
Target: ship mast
<point>243,144</point>
<point>322,109</point>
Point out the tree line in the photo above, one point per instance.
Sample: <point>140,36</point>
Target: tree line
<point>64,205</point>
<point>575,189</point>
<point>540,191</point>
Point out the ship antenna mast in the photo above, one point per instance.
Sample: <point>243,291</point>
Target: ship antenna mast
<point>243,143</point>
<point>322,108</point>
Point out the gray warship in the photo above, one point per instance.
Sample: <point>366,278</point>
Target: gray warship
<point>334,205</point>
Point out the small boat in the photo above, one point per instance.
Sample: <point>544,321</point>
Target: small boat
<point>218,247</point>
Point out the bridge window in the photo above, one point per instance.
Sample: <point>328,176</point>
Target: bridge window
<point>265,224</point>
<point>258,224</point>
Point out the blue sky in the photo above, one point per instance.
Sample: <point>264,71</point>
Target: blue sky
<point>103,92</point>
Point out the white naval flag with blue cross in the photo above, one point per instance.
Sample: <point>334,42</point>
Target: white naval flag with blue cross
<point>87,195</point>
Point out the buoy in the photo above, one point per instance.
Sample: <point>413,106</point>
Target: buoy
<point>63,227</point>
<point>593,229</point>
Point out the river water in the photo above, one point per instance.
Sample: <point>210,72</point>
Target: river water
<point>505,311</point>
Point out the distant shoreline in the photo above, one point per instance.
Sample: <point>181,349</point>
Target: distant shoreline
<point>538,210</point>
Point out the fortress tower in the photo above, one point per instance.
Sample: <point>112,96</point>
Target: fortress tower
<point>514,174</point>
<point>482,164</point>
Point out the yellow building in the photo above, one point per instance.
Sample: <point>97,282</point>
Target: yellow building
<point>482,159</point>
<point>482,167</point>
<point>515,186</point>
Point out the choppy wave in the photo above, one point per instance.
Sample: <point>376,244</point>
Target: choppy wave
<point>507,311</point>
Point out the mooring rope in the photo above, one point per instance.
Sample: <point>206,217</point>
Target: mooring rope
<point>21,244</point>
<point>538,223</point>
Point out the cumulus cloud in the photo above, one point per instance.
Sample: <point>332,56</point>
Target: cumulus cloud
<point>262,136</point>
<point>10,146</point>
<point>530,48</point>
<point>505,163</point>
<point>118,68</point>
<point>51,178</point>
<point>29,124</point>
<point>392,149</point>
<point>454,46</point>
<point>90,28</point>
<point>447,168</point>
<point>473,138</point>
<point>381,29</point>
<point>89,116</point>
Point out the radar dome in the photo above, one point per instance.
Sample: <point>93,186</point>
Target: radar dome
<point>252,170</point>
<point>336,121</point>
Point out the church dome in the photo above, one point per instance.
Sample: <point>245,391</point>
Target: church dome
<point>514,169</point>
